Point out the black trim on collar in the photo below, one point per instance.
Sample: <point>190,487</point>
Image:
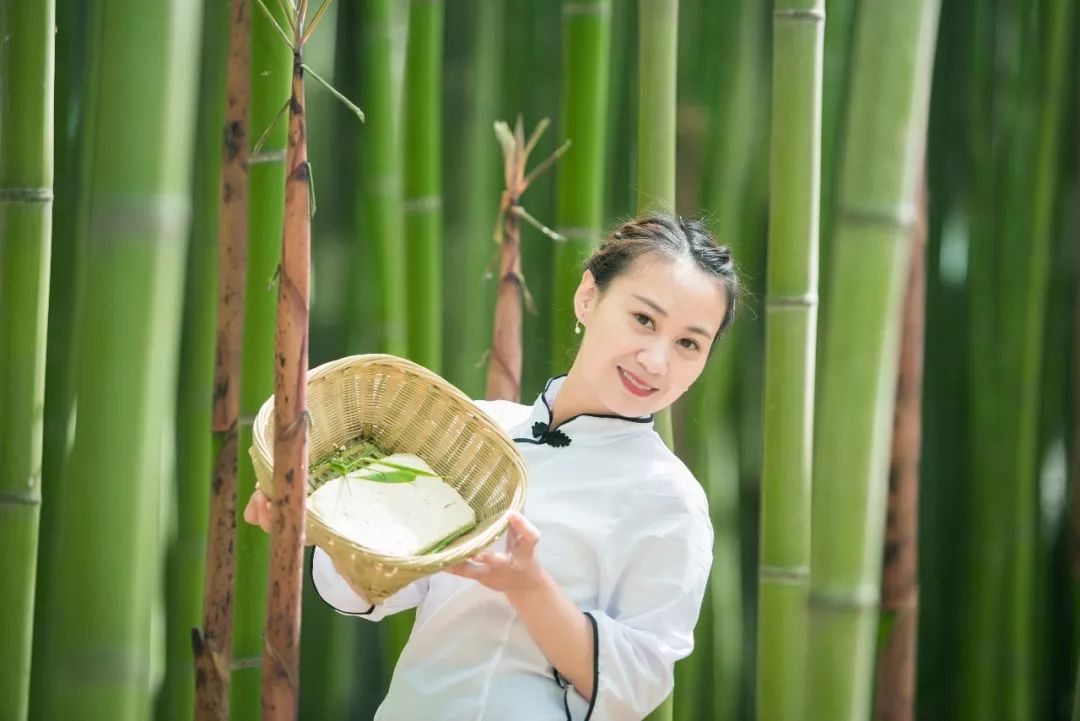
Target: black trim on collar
<point>311,577</point>
<point>543,432</point>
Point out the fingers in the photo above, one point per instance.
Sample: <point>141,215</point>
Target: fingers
<point>257,511</point>
<point>523,537</point>
<point>524,527</point>
<point>470,569</point>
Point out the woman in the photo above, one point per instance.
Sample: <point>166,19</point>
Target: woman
<point>590,622</point>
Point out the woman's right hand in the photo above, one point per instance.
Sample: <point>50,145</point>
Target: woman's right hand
<point>257,512</point>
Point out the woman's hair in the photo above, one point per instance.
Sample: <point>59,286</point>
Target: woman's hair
<point>668,236</point>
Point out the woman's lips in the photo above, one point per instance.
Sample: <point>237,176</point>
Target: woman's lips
<point>630,381</point>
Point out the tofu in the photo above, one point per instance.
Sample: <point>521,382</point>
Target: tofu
<point>392,518</point>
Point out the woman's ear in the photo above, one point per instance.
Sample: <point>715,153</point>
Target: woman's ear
<point>585,296</point>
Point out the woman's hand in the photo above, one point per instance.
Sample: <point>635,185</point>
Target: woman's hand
<point>517,570</point>
<point>257,511</point>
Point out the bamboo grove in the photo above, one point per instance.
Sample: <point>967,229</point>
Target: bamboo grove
<point>887,436</point>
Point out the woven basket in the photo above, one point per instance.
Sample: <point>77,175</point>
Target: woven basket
<point>404,408</point>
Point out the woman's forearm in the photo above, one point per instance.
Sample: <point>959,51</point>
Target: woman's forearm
<point>560,629</point>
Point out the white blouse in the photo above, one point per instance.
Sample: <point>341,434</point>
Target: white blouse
<point>624,530</point>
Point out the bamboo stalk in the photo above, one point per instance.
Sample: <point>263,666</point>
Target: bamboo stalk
<point>730,57</point>
<point>74,84</point>
<point>658,25</point>
<point>504,364</point>
<point>885,134</point>
<point>895,695</point>
<point>27,65</point>
<point>107,560</point>
<point>505,361</point>
<point>837,69</point>
<point>379,233</point>
<point>1074,515</point>
<point>586,32</point>
<point>531,39</point>
<point>471,186</point>
<point>422,121</point>
<point>186,559</point>
<point>620,196</point>
<point>271,64</point>
<point>790,348</point>
<point>213,642</point>
<point>281,652</point>
<point>998,654</point>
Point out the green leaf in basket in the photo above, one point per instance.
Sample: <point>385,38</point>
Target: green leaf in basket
<point>448,540</point>
<point>414,471</point>
<point>395,476</point>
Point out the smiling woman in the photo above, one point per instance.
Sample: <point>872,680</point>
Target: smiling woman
<point>584,606</point>
<point>655,298</point>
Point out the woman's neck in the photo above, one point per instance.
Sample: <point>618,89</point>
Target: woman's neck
<point>573,399</point>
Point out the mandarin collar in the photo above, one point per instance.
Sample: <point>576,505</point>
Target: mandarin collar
<point>584,428</point>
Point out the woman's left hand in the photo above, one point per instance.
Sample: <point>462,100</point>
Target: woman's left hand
<point>516,570</point>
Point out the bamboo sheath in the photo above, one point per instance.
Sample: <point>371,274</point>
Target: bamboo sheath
<point>213,643</point>
<point>895,687</point>
<point>281,652</point>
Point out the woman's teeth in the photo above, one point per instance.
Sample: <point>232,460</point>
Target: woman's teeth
<point>633,382</point>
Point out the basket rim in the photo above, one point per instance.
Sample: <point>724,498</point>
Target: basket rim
<point>261,447</point>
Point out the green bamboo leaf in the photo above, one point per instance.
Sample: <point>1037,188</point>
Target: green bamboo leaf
<point>314,22</point>
<point>287,14</point>
<point>274,22</point>
<point>333,91</point>
<point>524,215</point>
<point>448,540</point>
<point>416,471</point>
<point>505,137</point>
<point>266,133</point>
<point>535,137</point>
<point>398,476</point>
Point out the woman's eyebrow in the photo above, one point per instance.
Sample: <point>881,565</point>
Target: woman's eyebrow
<point>655,306</point>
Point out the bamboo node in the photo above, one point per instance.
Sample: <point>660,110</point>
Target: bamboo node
<point>800,15</point>
<point>601,9</point>
<point>422,204</point>
<point>26,498</point>
<point>806,300</point>
<point>859,598</point>
<point>787,575</point>
<point>26,195</point>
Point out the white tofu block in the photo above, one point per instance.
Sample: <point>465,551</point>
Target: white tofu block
<point>393,519</point>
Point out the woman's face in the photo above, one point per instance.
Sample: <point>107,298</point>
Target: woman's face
<point>652,327</point>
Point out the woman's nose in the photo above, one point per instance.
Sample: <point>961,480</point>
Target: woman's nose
<point>654,359</point>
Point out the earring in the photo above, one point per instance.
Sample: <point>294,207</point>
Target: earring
<point>577,327</point>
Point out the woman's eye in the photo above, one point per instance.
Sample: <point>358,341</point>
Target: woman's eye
<point>641,316</point>
<point>693,344</point>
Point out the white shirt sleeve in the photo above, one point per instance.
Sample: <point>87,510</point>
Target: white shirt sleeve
<point>649,622</point>
<point>339,595</point>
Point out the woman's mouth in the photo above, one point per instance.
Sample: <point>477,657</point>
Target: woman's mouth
<point>634,384</point>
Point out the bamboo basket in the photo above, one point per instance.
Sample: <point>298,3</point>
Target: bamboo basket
<point>405,408</point>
